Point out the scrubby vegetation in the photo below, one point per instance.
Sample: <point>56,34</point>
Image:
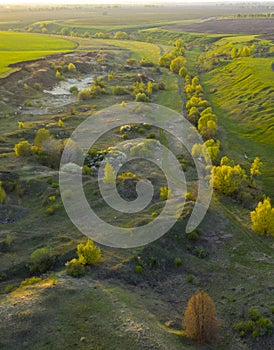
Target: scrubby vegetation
<point>133,298</point>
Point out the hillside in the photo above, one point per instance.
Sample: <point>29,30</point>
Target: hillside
<point>246,112</point>
<point>92,81</point>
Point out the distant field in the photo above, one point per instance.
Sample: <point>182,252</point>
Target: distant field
<point>116,14</point>
<point>18,47</point>
<point>228,26</point>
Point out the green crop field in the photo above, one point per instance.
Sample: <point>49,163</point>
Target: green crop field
<point>18,47</point>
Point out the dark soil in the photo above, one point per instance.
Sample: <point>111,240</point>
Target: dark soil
<point>229,26</point>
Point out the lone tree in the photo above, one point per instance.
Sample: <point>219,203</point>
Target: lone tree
<point>255,169</point>
<point>262,218</point>
<point>200,320</point>
<point>109,174</point>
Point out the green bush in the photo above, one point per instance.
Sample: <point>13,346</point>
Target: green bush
<point>127,175</point>
<point>138,268</point>
<point>74,268</point>
<point>151,135</point>
<point>256,326</point>
<point>193,236</point>
<point>148,126</point>
<point>50,210</point>
<point>28,103</point>
<point>253,314</point>
<point>23,149</point>
<point>165,192</point>
<point>190,278</point>
<point>71,68</point>
<point>88,253</point>
<point>87,170</point>
<point>42,136</point>
<point>38,86</point>
<point>200,252</point>
<point>132,62</point>
<point>85,95</point>
<point>30,281</point>
<point>146,63</point>
<point>162,85</point>
<point>119,90</point>
<point>142,97</point>
<point>140,130</point>
<point>42,260</point>
<point>177,262</point>
<point>74,90</point>
<point>10,288</point>
<point>154,262</point>
<point>2,194</point>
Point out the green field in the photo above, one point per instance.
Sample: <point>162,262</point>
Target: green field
<point>18,47</point>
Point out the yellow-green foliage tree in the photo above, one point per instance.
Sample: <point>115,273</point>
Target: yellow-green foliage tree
<point>183,72</point>
<point>205,119</point>
<point>23,149</point>
<point>42,135</point>
<point>177,63</point>
<point>262,218</point>
<point>21,125</point>
<point>58,74</point>
<point>109,174</point>
<point>255,169</point>
<point>60,123</point>
<point>213,149</point>
<point>165,60</point>
<point>234,53</point>
<point>245,51</point>
<point>88,254</point>
<point>227,179</point>
<point>200,321</point>
<point>165,193</point>
<point>121,36</point>
<point>71,68</point>
<point>197,150</point>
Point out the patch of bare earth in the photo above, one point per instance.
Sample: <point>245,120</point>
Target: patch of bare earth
<point>229,26</point>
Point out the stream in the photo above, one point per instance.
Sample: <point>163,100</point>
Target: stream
<point>59,96</point>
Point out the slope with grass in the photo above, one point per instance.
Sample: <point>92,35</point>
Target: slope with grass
<point>18,47</point>
<point>243,100</point>
<point>138,49</point>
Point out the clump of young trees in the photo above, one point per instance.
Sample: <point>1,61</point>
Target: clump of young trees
<point>88,254</point>
<point>174,60</point>
<point>199,112</point>
<point>256,326</point>
<point>97,89</point>
<point>47,149</point>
